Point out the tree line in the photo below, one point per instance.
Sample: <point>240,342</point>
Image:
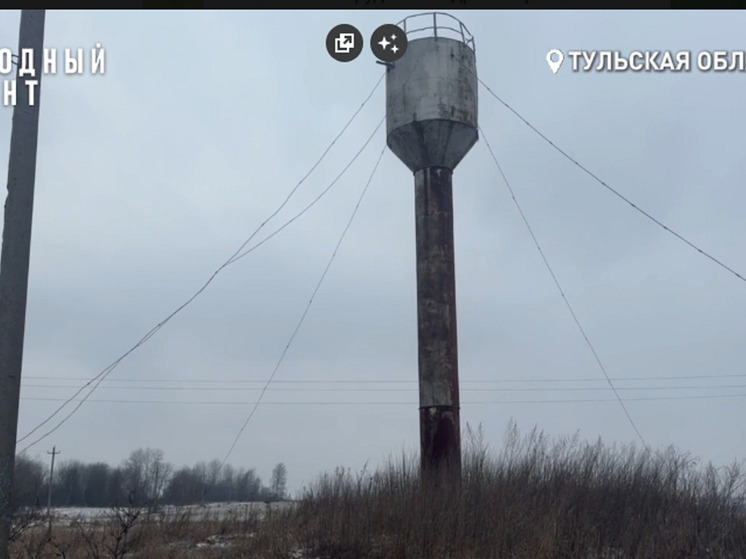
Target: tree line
<point>143,479</point>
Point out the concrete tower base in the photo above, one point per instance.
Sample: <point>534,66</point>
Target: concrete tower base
<point>436,316</point>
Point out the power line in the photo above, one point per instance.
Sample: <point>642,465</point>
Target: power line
<point>360,108</point>
<point>308,305</point>
<point>394,403</point>
<point>564,298</point>
<point>397,381</point>
<point>306,389</point>
<point>609,188</point>
<point>105,372</point>
<point>230,261</point>
<point>304,210</point>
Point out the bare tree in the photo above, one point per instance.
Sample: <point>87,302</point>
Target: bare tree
<point>96,492</point>
<point>28,482</point>
<point>227,483</point>
<point>248,485</point>
<point>69,483</point>
<point>158,475</point>
<point>213,477</point>
<point>199,471</point>
<point>279,481</point>
<point>146,475</point>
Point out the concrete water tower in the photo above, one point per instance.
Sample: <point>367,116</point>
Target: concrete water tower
<point>431,123</point>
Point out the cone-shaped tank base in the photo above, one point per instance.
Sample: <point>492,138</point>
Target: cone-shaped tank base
<point>432,143</point>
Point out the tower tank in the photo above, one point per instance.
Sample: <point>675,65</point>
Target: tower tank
<point>431,93</point>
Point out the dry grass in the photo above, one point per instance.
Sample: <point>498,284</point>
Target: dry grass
<point>131,532</point>
<point>535,499</point>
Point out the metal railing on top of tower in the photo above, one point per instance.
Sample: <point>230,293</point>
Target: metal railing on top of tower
<point>429,22</point>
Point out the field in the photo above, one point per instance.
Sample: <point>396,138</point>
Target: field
<point>536,499</point>
<point>210,530</point>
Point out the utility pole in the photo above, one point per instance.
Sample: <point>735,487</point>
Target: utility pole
<point>14,260</point>
<point>51,481</point>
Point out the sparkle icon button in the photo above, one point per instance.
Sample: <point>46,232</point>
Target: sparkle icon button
<point>555,64</point>
<point>388,43</point>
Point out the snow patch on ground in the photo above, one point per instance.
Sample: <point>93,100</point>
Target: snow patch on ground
<point>196,513</point>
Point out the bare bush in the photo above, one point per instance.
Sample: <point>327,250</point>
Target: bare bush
<point>537,498</point>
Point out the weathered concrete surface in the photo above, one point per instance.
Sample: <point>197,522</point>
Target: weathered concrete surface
<point>436,318</point>
<point>15,256</point>
<point>431,103</point>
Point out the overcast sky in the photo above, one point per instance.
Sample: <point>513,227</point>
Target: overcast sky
<point>150,176</point>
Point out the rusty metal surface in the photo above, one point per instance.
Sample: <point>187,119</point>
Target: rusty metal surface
<point>440,440</point>
<point>436,314</point>
<point>431,104</point>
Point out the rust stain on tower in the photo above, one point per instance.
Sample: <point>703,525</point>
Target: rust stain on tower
<point>431,118</point>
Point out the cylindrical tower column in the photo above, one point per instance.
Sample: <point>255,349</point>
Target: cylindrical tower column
<point>440,439</point>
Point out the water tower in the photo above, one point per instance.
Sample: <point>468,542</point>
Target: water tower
<point>431,123</point>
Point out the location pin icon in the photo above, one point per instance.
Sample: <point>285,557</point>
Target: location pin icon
<point>555,65</point>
